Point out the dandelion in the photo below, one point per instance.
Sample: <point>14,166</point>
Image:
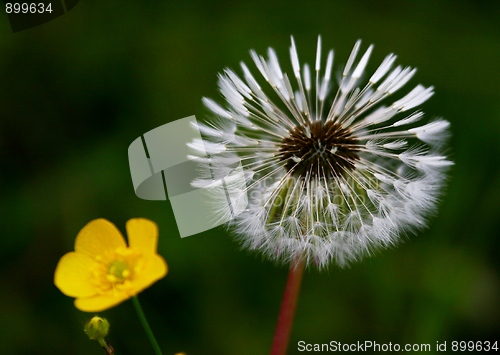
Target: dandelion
<point>333,171</point>
<point>103,271</point>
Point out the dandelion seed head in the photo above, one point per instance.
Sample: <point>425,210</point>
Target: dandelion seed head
<point>334,171</point>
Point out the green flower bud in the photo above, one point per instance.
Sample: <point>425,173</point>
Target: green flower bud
<point>97,328</point>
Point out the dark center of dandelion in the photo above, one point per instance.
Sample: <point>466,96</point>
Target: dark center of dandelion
<point>319,149</point>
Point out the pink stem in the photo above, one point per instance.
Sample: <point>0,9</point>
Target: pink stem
<point>287,311</point>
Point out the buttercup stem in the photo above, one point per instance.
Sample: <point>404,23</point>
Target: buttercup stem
<point>108,348</point>
<point>146,326</point>
<point>288,305</point>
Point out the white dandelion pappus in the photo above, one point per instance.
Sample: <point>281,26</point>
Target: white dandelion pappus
<point>331,175</point>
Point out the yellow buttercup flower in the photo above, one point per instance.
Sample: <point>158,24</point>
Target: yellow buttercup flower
<point>103,271</point>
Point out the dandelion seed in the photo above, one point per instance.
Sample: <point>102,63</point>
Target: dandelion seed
<point>334,175</point>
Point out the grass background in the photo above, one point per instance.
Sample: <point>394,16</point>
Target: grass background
<point>75,92</point>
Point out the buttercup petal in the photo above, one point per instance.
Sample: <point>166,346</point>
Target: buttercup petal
<point>73,275</point>
<point>155,268</point>
<point>97,237</point>
<point>142,235</point>
<point>100,302</point>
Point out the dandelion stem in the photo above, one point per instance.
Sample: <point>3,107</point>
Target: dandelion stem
<point>146,326</point>
<point>288,305</point>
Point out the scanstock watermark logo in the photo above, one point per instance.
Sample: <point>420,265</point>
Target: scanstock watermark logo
<point>162,166</point>
<point>26,14</point>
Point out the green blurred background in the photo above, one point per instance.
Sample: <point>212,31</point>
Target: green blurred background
<point>77,91</point>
